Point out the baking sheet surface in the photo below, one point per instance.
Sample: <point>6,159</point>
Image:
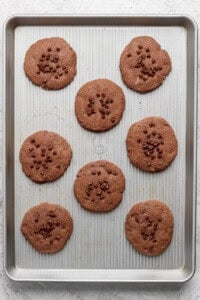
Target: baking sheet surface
<point>98,240</point>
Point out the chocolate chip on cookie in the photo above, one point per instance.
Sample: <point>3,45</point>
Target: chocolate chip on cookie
<point>149,227</point>
<point>47,227</point>
<point>151,144</point>
<point>50,63</point>
<point>45,156</point>
<point>99,186</point>
<point>144,65</point>
<point>99,105</point>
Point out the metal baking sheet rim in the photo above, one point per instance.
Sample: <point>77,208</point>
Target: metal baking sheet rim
<point>186,272</point>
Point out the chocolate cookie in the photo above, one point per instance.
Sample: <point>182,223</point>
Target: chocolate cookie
<point>99,105</point>
<point>144,65</point>
<point>99,186</point>
<point>151,144</point>
<point>45,156</point>
<point>149,227</point>
<point>50,63</point>
<point>47,227</point>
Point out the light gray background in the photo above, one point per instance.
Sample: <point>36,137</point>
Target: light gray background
<point>12,290</point>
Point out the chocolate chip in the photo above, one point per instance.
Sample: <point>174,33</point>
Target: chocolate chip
<point>140,46</point>
<point>129,55</point>
<point>57,49</point>
<point>152,125</point>
<point>52,214</point>
<point>147,153</point>
<point>87,192</point>
<point>49,49</point>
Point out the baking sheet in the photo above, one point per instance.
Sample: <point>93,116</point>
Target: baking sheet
<point>98,249</point>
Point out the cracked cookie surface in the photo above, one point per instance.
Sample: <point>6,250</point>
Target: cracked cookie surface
<point>99,105</point>
<point>151,144</point>
<point>144,65</point>
<point>47,227</point>
<point>99,186</point>
<point>50,63</point>
<point>149,227</point>
<point>45,156</point>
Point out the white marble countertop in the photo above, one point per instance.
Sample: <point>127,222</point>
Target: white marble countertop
<point>13,290</point>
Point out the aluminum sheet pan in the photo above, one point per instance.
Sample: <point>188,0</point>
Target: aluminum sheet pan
<point>98,249</point>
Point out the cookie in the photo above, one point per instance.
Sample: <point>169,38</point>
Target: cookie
<point>149,227</point>
<point>47,227</point>
<point>50,63</point>
<point>99,105</point>
<point>99,186</point>
<point>151,144</point>
<point>144,65</point>
<point>45,156</point>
